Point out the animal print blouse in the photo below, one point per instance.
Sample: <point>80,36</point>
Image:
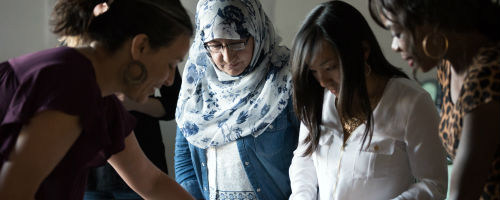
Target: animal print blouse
<point>481,85</point>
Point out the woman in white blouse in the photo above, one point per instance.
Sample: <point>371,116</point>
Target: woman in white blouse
<point>367,131</point>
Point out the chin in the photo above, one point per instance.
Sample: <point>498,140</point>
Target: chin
<point>234,73</point>
<point>138,99</point>
<point>142,99</point>
<point>427,67</point>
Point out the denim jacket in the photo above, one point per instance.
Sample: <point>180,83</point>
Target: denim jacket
<point>266,160</point>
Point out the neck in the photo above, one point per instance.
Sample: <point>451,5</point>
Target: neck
<point>462,49</point>
<point>106,66</point>
<point>375,86</point>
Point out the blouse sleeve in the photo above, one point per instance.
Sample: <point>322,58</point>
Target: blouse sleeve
<point>481,86</point>
<point>425,152</point>
<point>62,88</point>
<point>303,179</point>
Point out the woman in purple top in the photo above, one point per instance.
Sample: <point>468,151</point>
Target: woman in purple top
<point>58,114</point>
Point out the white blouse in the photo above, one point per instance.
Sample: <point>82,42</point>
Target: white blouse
<point>405,159</point>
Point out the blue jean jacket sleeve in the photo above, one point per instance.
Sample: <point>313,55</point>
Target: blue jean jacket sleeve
<point>184,169</point>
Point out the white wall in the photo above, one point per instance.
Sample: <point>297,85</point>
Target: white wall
<point>24,28</point>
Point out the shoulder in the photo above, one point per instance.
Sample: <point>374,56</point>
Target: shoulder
<point>403,87</point>
<point>57,79</point>
<point>54,64</point>
<point>485,70</point>
<point>482,83</point>
<point>404,95</point>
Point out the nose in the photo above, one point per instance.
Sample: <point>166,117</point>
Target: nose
<point>227,55</point>
<point>322,79</point>
<point>395,45</point>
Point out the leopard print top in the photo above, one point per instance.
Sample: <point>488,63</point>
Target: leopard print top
<point>481,85</point>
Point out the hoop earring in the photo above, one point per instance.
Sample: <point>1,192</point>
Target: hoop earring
<point>436,39</point>
<point>131,80</point>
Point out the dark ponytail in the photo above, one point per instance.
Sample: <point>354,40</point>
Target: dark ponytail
<point>72,17</point>
<point>161,20</point>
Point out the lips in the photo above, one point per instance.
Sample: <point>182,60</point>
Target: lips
<point>408,59</point>
<point>232,66</point>
<point>410,62</point>
<point>332,90</point>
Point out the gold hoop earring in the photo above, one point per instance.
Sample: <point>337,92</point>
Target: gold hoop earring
<point>131,80</point>
<point>438,40</point>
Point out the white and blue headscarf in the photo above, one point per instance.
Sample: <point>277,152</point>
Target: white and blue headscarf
<point>215,108</point>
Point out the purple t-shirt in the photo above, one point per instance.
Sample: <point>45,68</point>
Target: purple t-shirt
<point>62,79</point>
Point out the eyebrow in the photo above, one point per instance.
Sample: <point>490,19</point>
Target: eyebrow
<point>331,60</point>
<point>324,62</point>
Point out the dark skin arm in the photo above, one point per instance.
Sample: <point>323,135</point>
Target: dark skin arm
<point>479,141</point>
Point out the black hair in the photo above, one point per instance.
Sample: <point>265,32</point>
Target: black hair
<point>161,21</point>
<point>345,29</point>
<point>453,15</point>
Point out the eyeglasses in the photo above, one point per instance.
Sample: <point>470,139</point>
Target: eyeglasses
<point>236,46</point>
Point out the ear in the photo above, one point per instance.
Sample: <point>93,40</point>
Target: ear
<point>366,49</point>
<point>138,46</point>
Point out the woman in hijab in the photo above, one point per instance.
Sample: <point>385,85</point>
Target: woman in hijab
<point>236,127</point>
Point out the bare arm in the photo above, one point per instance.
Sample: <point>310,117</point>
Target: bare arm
<point>479,141</point>
<point>40,147</point>
<point>142,176</point>
<point>159,107</point>
<point>152,106</point>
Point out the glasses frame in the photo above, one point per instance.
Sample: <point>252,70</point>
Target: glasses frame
<point>230,46</point>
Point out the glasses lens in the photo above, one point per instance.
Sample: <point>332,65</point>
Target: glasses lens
<point>237,46</point>
<point>213,48</point>
<point>233,47</point>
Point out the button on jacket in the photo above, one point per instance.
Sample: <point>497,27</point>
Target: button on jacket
<point>266,160</point>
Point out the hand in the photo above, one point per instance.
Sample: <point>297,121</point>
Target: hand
<point>120,96</point>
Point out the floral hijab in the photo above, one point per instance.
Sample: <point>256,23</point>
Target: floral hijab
<point>215,108</point>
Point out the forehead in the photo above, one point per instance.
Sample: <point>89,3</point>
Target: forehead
<point>225,41</point>
<point>323,53</point>
<point>388,19</point>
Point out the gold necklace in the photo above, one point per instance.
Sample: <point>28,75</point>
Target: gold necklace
<point>350,124</point>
